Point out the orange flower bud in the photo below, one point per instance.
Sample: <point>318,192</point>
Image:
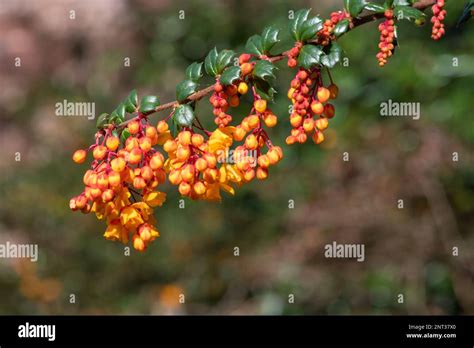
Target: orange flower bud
<point>317,107</point>
<point>107,195</point>
<point>170,146</point>
<point>334,90</point>
<point>239,133</point>
<point>151,132</point>
<point>139,183</point>
<point>249,174</point>
<point>133,127</point>
<point>114,179</point>
<point>187,173</point>
<point>162,127</point>
<point>260,105</point>
<point>131,143</point>
<point>99,152</point>
<point>308,125</point>
<point>296,120</point>
<point>135,156</point>
<point>318,137</point>
<point>197,140</point>
<point>263,161</point>
<point>253,121</point>
<point>321,123</point>
<point>102,181</point>
<point>118,164</point>
<point>157,161</point>
<point>323,94</point>
<point>184,137</point>
<point>201,164</point>
<point>184,188</point>
<point>246,68</point>
<point>210,159</point>
<point>138,243</point>
<point>112,143</point>
<point>199,188</point>
<point>79,156</point>
<point>145,144</point>
<point>243,88</point>
<point>262,173</point>
<point>147,173</point>
<point>270,120</point>
<point>81,201</point>
<point>251,142</point>
<point>174,177</point>
<point>183,153</point>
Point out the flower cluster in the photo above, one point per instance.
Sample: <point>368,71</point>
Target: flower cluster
<point>439,13</point>
<point>311,109</point>
<point>221,99</point>
<point>293,54</point>
<point>121,186</point>
<point>387,36</point>
<point>324,35</point>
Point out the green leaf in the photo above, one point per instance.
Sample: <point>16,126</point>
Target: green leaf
<point>269,38</point>
<point>184,115</point>
<point>354,7</point>
<point>388,4</point>
<point>264,89</point>
<point>341,27</point>
<point>102,120</point>
<point>148,104</point>
<point>401,3</point>
<point>120,110</point>
<point>334,56</point>
<point>310,27</point>
<point>255,45</point>
<point>124,136</point>
<point>131,102</point>
<point>224,59</point>
<point>184,89</point>
<point>114,118</point>
<point>264,70</point>
<point>374,8</point>
<point>194,71</point>
<point>210,63</point>
<point>310,55</point>
<point>230,75</point>
<point>297,22</point>
<point>408,12</point>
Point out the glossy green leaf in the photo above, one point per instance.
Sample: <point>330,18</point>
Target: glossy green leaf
<point>310,27</point>
<point>230,75</point>
<point>254,45</point>
<point>102,120</point>
<point>131,102</point>
<point>374,8</point>
<point>333,57</point>
<point>297,22</point>
<point>184,89</point>
<point>224,59</point>
<point>120,110</point>
<point>408,12</point>
<point>341,27</point>
<point>148,104</point>
<point>354,7</point>
<point>125,134</point>
<point>264,70</point>
<point>310,56</point>
<point>210,63</point>
<point>264,90</point>
<point>194,71</point>
<point>269,38</point>
<point>184,115</point>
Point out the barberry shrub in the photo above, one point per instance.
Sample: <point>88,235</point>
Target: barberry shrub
<point>133,157</point>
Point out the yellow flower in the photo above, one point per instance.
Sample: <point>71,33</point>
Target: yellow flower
<point>154,198</point>
<point>116,232</point>
<point>221,139</point>
<point>144,209</point>
<point>131,217</point>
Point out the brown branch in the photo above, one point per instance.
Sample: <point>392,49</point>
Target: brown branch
<point>420,5</point>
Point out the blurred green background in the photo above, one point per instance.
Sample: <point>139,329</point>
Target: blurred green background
<point>407,251</point>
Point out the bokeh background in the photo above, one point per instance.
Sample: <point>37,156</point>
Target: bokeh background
<point>407,251</point>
